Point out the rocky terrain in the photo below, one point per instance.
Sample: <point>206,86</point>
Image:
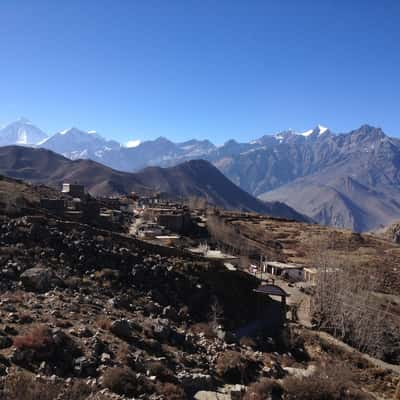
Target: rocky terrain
<point>87,313</point>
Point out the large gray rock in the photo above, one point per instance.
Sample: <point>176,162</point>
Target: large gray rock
<point>122,328</point>
<point>40,279</point>
<point>195,382</point>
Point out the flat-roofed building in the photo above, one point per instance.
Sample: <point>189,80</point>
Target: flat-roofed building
<point>56,206</point>
<point>215,255</point>
<point>73,189</point>
<point>310,275</point>
<point>286,270</point>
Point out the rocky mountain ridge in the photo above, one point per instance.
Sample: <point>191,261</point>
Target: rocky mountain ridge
<point>196,178</point>
<point>347,180</point>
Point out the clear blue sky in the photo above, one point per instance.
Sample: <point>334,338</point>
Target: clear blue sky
<point>205,69</point>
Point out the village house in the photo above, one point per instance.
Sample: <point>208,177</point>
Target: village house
<point>310,275</point>
<point>288,271</point>
<point>149,230</point>
<point>73,190</point>
<point>216,255</point>
<point>55,206</point>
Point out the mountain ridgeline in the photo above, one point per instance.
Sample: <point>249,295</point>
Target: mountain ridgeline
<point>196,178</point>
<point>349,180</point>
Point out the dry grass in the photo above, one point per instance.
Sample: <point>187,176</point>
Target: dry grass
<point>333,382</point>
<point>121,381</point>
<point>103,323</point>
<point>38,338</point>
<point>234,367</point>
<point>23,386</point>
<point>171,391</point>
<point>265,389</point>
<point>78,391</point>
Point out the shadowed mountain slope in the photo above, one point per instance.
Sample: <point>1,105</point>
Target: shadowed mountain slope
<point>193,178</point>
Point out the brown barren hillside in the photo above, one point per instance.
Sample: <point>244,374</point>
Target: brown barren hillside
<point>291,241</point>
<point>193,178</point>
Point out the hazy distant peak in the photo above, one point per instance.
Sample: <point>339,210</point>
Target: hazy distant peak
<point>21,132</point>
<point>132,143</point>
<point>23,120</point>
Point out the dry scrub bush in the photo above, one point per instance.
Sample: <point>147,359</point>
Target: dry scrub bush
<point>171,391</point>
<point>123,381</point>
<point>328,383</point>
<point>78,391</point>
<point>266,389</point>
<point>38,338</point>
<point>120,380</point>
<point>23,386</point>
<point>233,367</point>
<point>103,323</point>
<point>158,369</point>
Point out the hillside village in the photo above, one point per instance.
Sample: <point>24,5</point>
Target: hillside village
<point>140,296</point>
<point>204,201</point>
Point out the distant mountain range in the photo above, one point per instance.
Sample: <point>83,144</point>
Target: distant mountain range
<point>196,178</point>
<point>349,180</point>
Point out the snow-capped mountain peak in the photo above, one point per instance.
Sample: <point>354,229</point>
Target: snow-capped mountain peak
<point>75,143</point>
<point>21,132</point>
<point>318,130</point>
<point>132,143</point>
<point>322,129</point>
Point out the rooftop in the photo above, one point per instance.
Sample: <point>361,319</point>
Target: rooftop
<point>272,290</point>
<point>277,264</point>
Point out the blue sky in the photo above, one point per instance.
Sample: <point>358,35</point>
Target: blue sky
<point>203,69</point>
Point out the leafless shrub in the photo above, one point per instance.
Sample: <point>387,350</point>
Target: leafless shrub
<point>345,304</point>
<point>216,315</point>
<point>23,386</point>
<point>332,382</point>
<point>121,381</point>
<point>228,236</point>
<point>78,391</point>
<point>160,370</point>
<point>265,389</point>
<point>197,203</point>
<point>103,323</point>
<point>171,391</point>
<point>234,367</point>
<point>39,337</point>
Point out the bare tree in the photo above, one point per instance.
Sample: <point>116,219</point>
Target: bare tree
<point>197,203</point>
<point>345,304</point>
<point>215,315</point>
<point>228,236</point>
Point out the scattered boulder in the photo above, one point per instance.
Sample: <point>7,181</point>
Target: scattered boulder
<point>5,342</point>
<point>121,328</point>
<point>39,279</point>
<point>194,382</point>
